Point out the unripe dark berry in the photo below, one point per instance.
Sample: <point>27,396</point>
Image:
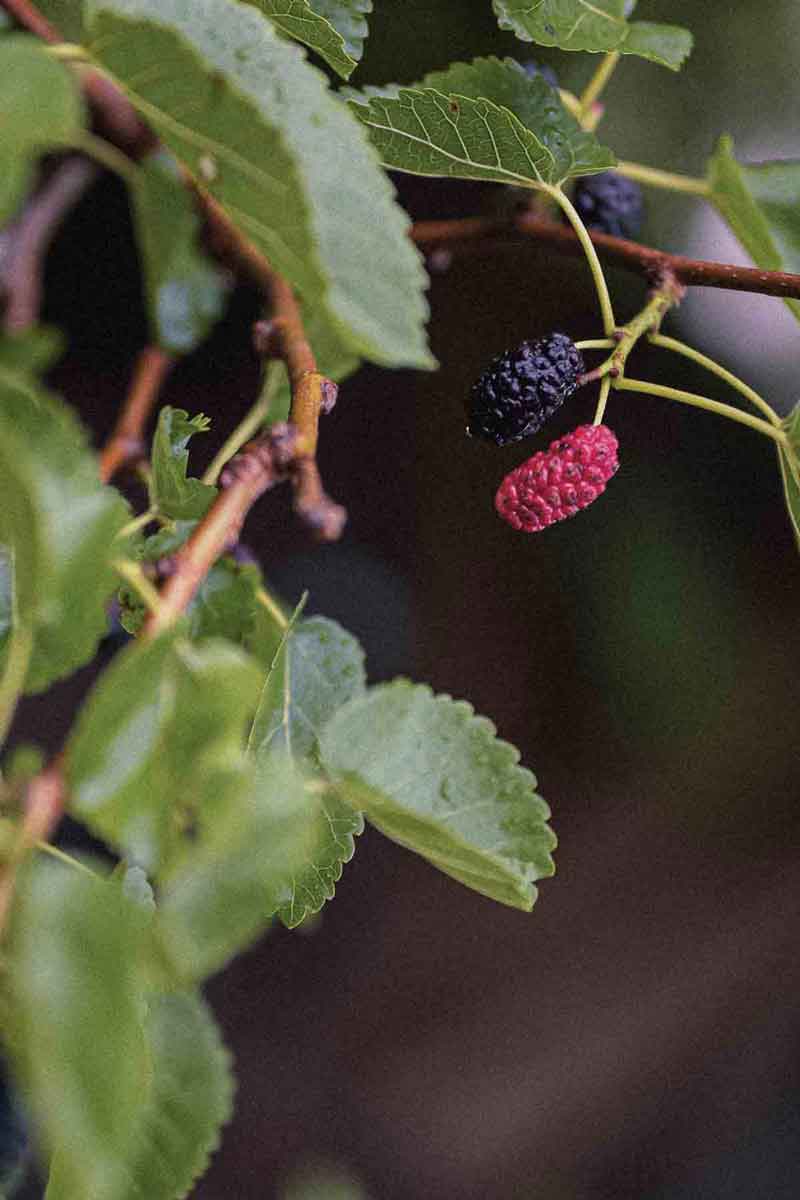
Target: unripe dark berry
<point>520,389</point>
<point>610,203</point>
<point>558,482</point>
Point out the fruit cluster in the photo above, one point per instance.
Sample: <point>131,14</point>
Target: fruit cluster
<point>514,396</point>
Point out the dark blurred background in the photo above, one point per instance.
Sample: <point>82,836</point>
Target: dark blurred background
<point>637,1036</point>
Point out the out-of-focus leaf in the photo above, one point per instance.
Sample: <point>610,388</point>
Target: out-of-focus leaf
<point>57,524</point>
<point>316,668</point>
<point>185,291</point>
<point>761,203</point>
<point>790,470</point>
<point>157,752</point>
<point>40,109</point>
<point>599,25</point>
<point>434,777</point>
<point>258,126</point>
<point>227,889</point>
<point>76,1038</point>
<point>173,493</point>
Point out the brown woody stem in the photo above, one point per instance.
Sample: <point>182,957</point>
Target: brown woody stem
<point>126,444</point>
<point>483,235</point>
<point>24,243</point>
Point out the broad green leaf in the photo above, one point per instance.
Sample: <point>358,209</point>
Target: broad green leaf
<point>761,203</point>
<point>434,777</point>
<point>76,1038</point>
<point>349,17</point>
<point>40,110</point>
<point>184,290</point>
<point>158,751</point>
<point>57,523</point>
<point>171,492</point>
<point>223,606</point>
<point>599,25</point>
<point>31,351</point>
<point>318,666</point>
<point>225,892</point>
<point>189,1100</point>
<point>301,20</point>
<point>790,470</point>
<point>260,129</point>
<point>482,120</point>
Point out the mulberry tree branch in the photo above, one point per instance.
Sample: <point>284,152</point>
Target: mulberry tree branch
<point>24,243</point>
<point>483,235</point>
<point>126,443</point>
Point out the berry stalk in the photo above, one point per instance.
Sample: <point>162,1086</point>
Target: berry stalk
<point>601,287</point>
<point>714,406</point>
<point>710,364</point>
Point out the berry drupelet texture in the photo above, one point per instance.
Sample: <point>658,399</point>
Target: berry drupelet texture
<point>610,203</point>
<point>520,389</point>
<point>558,482</point>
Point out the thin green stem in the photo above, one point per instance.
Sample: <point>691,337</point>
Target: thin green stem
<point>137,523</point>
<point>601,287</point>
<point>605,388</point>
<point>596,344</point>
<point>273,608</point>
<point>133,574</point>
<point>67,859</point>
<point>18,660</point>
<point>710,364</point>
<point>68,52</point>
<point>596,85</point>
<point>248,426</point>
<point>721,410</point>
<point>670,180</point>
<point>107,155</point>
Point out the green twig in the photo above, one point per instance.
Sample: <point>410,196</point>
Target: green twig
<point>273,608</point>
<point>670,180</point>
<point>605,388</point>
<point>710,364</point>
<point>609,322</point>
<point>249,425</point>
<point>18,659</point>
<point>596,344</point>
<point>133,574</point>
<point>596,85</point>
<point>721,410</point>
<point>137,523</point>
<point>67,859</point>
<point>107,155</point>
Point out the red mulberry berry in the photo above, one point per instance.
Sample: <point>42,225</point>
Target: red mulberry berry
<point>558,482</point>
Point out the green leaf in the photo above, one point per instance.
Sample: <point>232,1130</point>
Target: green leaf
<point>261,130</point>
<point>40,109</point>
<point>57,523</point>
<point>185,291</point>
<point>299,19</point>
<point>158,749</point>
<point>171,492</point>
<point>599,25</point>
<point>75,1033</point>
<point>189,1100</point>
<point>224,605</point>
<point>432,776</point>
<point>225,892</point>
<point>318,667</point>
<point>348,17</point>
<point>761,203</point>
<point>789,462</point>
<point>482,120</point>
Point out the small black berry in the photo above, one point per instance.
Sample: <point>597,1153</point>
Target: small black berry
<point>610,203</point>
<point>520,389</point>
<point>533,68</point>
